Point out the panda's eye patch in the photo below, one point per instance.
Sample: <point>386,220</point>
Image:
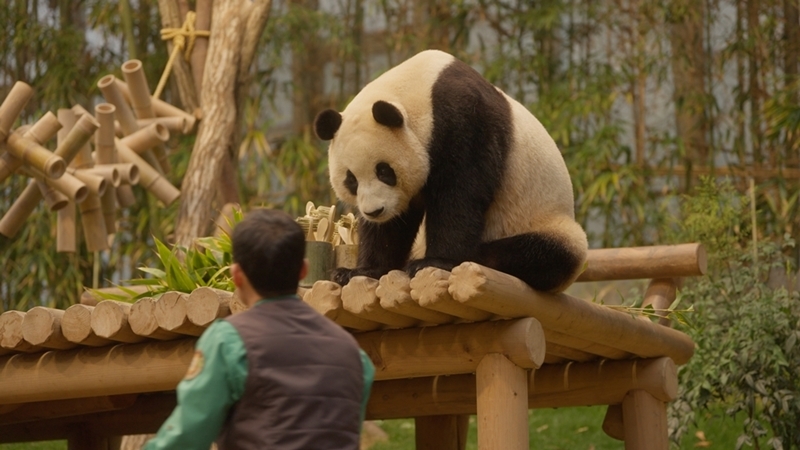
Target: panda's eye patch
<point>351,183</point>
<point>386,174</point>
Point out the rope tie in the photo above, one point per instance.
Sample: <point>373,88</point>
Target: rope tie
<point>179,37</point>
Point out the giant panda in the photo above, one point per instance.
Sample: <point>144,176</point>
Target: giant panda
<point>431,144</point>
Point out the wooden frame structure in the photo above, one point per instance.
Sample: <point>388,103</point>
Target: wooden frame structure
<point>445,345</point>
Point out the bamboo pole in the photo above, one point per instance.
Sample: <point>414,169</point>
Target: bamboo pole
<point>146,138</point>
<point>394,293</point>
<point>658,261</point>
<point>452,349</point>
<point>42,327</point>
<point>359,298</point>
<point>502,404</point>
<point>76,325</point>
<point>174,124</point>
<point>54,199</point>
<point>198,58</point>
<point>33,154</point>
<point>205,305</point>
<point>151,179</point>
<point>38,411</point>
<point>65,229</point>
<point>106,154</point>
<point>11,338</point>
<point>15,217</point>
<point>67,184</point>
<point>42,131</point>
<point>110,321</point>
<point>143,321</point>
<point>160,107</point>
<point>12,106</point>
<point>326,298</point>
<point>142,103</point>
<point>429,288</point>
<point>171,314</point>
<point>116,370</point>
<point>502,294</point>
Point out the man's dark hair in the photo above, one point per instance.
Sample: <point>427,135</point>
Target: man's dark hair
<point>269,246</point>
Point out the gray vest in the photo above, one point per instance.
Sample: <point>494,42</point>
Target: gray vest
<point>304,385</point>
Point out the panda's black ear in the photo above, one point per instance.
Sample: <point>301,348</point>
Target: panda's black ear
<point>387,114</point>
<point>327,124</point>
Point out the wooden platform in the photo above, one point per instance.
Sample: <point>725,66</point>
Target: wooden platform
<point>474,341</point>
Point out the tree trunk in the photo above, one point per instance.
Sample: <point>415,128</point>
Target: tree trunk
<point>231,21</point>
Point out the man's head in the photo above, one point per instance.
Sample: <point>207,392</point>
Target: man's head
<point>269,249</point>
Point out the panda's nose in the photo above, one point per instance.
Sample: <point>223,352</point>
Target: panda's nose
<point>375,213</point>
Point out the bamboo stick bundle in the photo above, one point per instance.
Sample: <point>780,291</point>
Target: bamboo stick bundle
<point>142,103</point>
<point>205,305</point>
<point>11,338</point>
<point>452,349</point>
<point>658,261</point>
<point>151,179</point>
<point>106,155</point>
<point>146,138</point>
<point>326,298</point>
<point>12,105</point>
<point>171,314</point>
<point>160,107</point>
<point>76,325</point>
<point>429,289</point>
<point>110,321</point>
<point>359,298</point>
<point>42,327</point>
<point>394,293</point>
<point>142,318</point>
<point>503,294</point>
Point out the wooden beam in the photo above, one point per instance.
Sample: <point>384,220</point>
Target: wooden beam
<point>644,420</point>
<point>326,298</point>
<point>502,404</point>
<point>657,261</point>
<point>499,293</point>
<point>37,411</point>
<point>441,432</point>
<point>452,349</point>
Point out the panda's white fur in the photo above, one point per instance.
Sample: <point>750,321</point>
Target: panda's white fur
<point>532,196</point>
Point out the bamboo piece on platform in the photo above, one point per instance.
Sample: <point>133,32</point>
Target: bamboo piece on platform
<point>128,173</point>
<point>502,294</point>
<point>326,298</point>
<point>22,207</point>
<point>146,138</point>
<point>33,154</point>
<point>76,325</point>
<point>91,299</point>
<point>42,131</point>
<point>644,420</point>
<point>660,293</point>
<point>106,154</point>
<point>659,261</point>
<point>65,229</point>
<point>502,406</point>
<point>170,312</point>
<point>11,337</point>
<point>452,349</point>
<point>142,103</point>
<point>429,289</point>
<point>151,179</point>
<point>205,305</point>
<point>38,411</point>
<point>116,370</point>
<point>110,321</point>
<point>359,298</point>
<point>160,107</point>
<point>394,293</point>
<point>143,322</point>
<point>12,106</point>
<point>42,327</point>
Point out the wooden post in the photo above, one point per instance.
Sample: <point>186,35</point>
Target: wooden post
<point>11,337</point>
<point>658,261</point>
<point>660,293</point>
<point>502,391</point>
<point>447,432</point>
<point>644,420</point>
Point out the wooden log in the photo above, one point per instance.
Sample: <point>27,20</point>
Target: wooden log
<point>502,404</point>
<point>659,261</point>
<point>326,298</point>
<point>142,318</point>
<point>550,386</point>
<point>660,293</point>
<point>429,289</point>
<point>205,305</point>
<point>441,432</point>
<point>11,337</point>
<point>38,411</point>
<point>394,293</point>
<point>612,422</point>
<point>76,325</point>
<point>142,103</point>
<point>151,179</point>
<point>121,369</point>
<point>644,420</point>
<point>563,352</point>
<point>110,321</point>
<point>500,293</point>
<point>171,314</point>
<point>452,349</point>
<point>42,327</point>
<point>359,298</point>
<point>12,106</point>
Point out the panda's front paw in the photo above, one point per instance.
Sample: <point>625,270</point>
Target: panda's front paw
<point>415,265</point>
<point>342,276</point>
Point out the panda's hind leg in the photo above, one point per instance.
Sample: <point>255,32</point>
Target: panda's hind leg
<point>546,262</point>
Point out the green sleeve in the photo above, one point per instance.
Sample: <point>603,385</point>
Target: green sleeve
<point>369,375</point>
<point>215,381</point>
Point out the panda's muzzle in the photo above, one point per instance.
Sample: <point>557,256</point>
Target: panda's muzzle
<point>376,213</point>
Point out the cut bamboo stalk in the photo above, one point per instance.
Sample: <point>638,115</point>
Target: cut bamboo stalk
<point>54,199</point>
<point>502,407</point>
<point>94,225</point>
<point>146,138</point>
<point>110,321</point>
<point>359,298</point>
<point>65,229</point>
<point>125,197</point>
<point>174,124</point>
<point>658,261</point>
<point>142,103</point>
<point>644,420</point>
<point>42,131</point>
<point>345,255</point>
<point>170,312</point>
<point>12,106</point>
<point>660,293</point>
<point>76,139</point>
<point>451,349</point>
<point>42,327</point>
<point>116,370</point>
<point>151,179</point>
<point>128,173</point>
<point>96,183</point>
<point>69,117</point>
<point>33,154</point>
<point>143,322</point>
<point>326,298</point>
<point>160,107</point>
<point>11,337</point>
<point>108,172</point>
<point>502,294</point>
<point>198,58</point>
<point>429,289</point>
<point>612,422</point>
<point>106,155</point>
<point>38,411</point>
<point>394,293</point>
<point>76,325</point>
<point>22,207</point>
<point>71,187</point>
<point>205,305</point>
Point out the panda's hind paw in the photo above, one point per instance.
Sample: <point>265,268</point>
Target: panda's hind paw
<point>415,265</point>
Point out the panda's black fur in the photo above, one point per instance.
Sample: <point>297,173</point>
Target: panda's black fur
<point>468,152</point>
